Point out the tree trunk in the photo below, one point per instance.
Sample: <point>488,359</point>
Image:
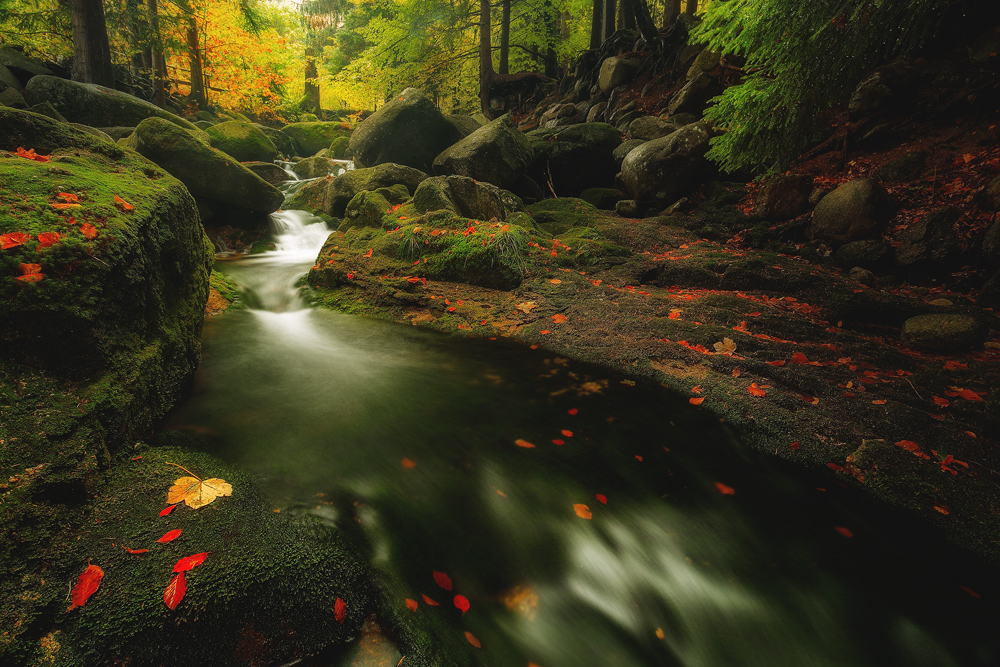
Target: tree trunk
<point>194,59</point>
<point>485,58</point>
<point>609,20</point>
<point>159,63</point>
<point>626,15</point>
<point>671,10</point>
<point>310,100</point>
<point>691,7</point>
<point>596,24</point>
<point>551,37</point>
<point>504,37</point>
<point>642,18</point>
<point>91,50</point>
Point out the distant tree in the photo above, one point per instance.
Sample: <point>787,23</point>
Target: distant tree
<point>801,59</point>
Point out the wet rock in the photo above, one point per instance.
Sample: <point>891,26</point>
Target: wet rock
<point>784,197</point>
<point>944,332</point>
<point>244,141</point>
<point>870,254</point>
<point>694,96</point>
<point>409,130</point>
<point>856,210</point>
<point>930,243</point>
<point>207,172</point>
<point>282,142</point>
<point>268,171</point>
<point>905,168</point>
<point>95,105</point>
<point>497,153</point>
<point>467,197</point>
<point>309,197</point>
<point>619,114</point>
<point>616,71</point>
<point>343,188</point>
<point>338,148</point>
<point>574,158</point>
<point>314,167</point>
<point>703,63</point>
<point>666,169</point>
<point>624,149</point>
<point>311,137</point>
<point>651,127</point>
<point>595,112</point>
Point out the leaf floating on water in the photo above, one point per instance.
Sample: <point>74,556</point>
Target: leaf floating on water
<point>431,602</point>
<point>339,611</point>
<point>582,511</point>
<point>411,604</point>
<point>190,562</point>
<point>472,639</point>
<point>725,490</point>
<point>170,537</point>
<point>86,585</point>
<point>442,580</point>
<point>524,443</point>
<point>174,592</point>
<point>196,492</point>
<point>462,603</point>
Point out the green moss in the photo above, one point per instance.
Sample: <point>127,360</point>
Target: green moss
<point>338,148</point>
<point>556,216</point>
<point>243,141</point>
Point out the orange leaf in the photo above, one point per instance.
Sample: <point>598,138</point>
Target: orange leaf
<point>742,327</point>
<point>13,239</point>
<point>472,639</point>
<point>955,366</point>
<point>124,204</point>
<point>462,603</point>
<point>942,510</point>
<point>48,239</point>
<point>696,389</point>
<point>794,445</point>
<point>737,372</point>
<point>880,402</point>
<point>799,358</point>
<point>559,319</point>
<point>67,196</point>
<point>755,390</point>
<point>190,562</point>
<point>442,580</point>
<point>167,510</point>
<point>696,401</point>
<point>408,463</point>
<point>582,511</point>
<point>659,633</point>
<point>169,537</point>
<point>779,362</point>
<point>411,604</point>
<point>558,442</point>
<point>62,205</point>
<point>339,611</point>
<point>567,433</point>
<point>545,332</point>
<point>725,490</point>
<point>523,443</point>
<point>846,532</point>
<point>31,155</point>
<point>943,402</point>
<point>30,273</point>
<point>136,551</point>
<point>86,585</point>
<point>369,253</point>
<point>555,281</point>
<point>174,593</point>
<point>431,602</point>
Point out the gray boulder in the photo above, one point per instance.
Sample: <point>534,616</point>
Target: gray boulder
<point>694,96</point>
<point>651,127</point>
<point>409,131</point>
<point>95,105</point>
<point>944,332</point>
<point>21,66</point>
<point>989,294</point>
<point>869,254</point>
<point>281,141</point>
<point>626,147</point>
<point>467,197</point>
<point>904,168</point>
<point>666,169</point>
<point>342,189</point>
<point>930,243</point>
<point>207,172</point>
<point>704,63</point>
<point>858,209</point>
<point>244,141</point>
<point>8,80</point>
<point>616,71</point>
<point>269,171</point>
<point>466,124</point>
<point>314,167</point>
<point>11,97</point>
<point>497,153</point>
<point>574,158</point>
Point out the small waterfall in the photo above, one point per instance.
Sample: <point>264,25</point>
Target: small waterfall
<point>287,168</point>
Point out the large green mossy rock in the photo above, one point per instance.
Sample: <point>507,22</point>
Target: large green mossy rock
<point>497,153</point>
<point>558,215</point>
<point>208,173</point>
<point>21,66</point>
<point>310,138</point>
<point>94,105</point>
<point>244,141</point>
<point>343,188</point>
<point>467,197</point>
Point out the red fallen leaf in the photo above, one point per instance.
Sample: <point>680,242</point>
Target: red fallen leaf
<point>582,511</point>
<point>943,402</point>
<point>451,309</point>
<point>524,443</point>
<point>545,332</point>
<point>794,445</point>
<point>86,585</point>
<point>124,204</point>
<point>742,327</point>
<point>462,603</point>
<point>834,466</point>
<point>942,510</point>
<point>408,463</point>
<point>174,592</point>
<point>31,155</point>
<point>136,551</point>
<point>572,411</point>
<point>737,372</point>
<point>638,458</point>
<point>971,592</point>
<point>88,230</point>
<point>172,535</point>
<point>799,358</point>
<point>696,389</point>
<point>674,314</point>
<point>431,602</point>
<point>601,498</point>
<point>167,510</point>
<point>725,490</point>
<point>779,362</point>
<point>846,532</point>
<point>558,442</point>
<point>566,432</point>
<point>339,611</point>
<point>472,639</point>
<point>955,366</point>
<point>190,562</point>
<point>442,580</point>
<point>559,319</point>
<point>368,254</point>
<point>13,239</point>
<point>968,394</point>
<point>755,390</point>
<point>30,273</point>
<point>696,401</point>
<point>68,196</point>
<point>350,276</point>
<point>880,402</point>
<point>411,604</point>
<point>48,239</point>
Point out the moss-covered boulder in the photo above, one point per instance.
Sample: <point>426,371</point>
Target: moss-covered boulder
<point>409,130</point>
<point>366,209</point>
<point>309,197</point>
<point>575,158</point>
<point>208,173</point>
<point>244,141</point>
<point>314,167</point>
<point>338,147</point>
<point>665,169</point>
<point>944,332</point>
<point>343,188</point>
<point>310,138</point>
<point>467,197</point>
<point>269,171</point>
<point>558,215</point>
<point>281,141</point>
<point>858,209</point>
<point>497,153</point>
<point>21,66</point>
<point>95,105</point>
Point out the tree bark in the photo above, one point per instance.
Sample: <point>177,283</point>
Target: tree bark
<point>671,10</point>
<point>485,58</point>
<point>596,24</point>
<point>159,63</point>
<point>504,37</point>
<point>640,13</point>
<point>194,59</point>
<point>626,15</point>
<point>91,50</point>
<point>551,36</point>
<point>608,28</point>
<point>691,7</point>
<point>310,100</point>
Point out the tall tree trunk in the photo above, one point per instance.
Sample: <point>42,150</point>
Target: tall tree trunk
<point>626,15</point>
<point>311,99</point>
<point>671,10</point>
<point>609,20</point>
<point>91,50</point>
<point>158,61</point>
<point>194,59</point>
<point>485,58</point>
<point>596,24</point>
<point>642,18</point>
<point>504,37</point>
<point>691,7</point>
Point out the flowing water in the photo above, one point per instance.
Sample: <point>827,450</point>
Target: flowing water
<point>608,543</point>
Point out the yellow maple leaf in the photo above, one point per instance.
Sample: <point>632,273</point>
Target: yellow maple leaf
<point>727,346</point>
<point>196,492</point>
<point>527,306</point>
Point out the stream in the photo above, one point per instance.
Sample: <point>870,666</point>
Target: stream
<point>635,531</point>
